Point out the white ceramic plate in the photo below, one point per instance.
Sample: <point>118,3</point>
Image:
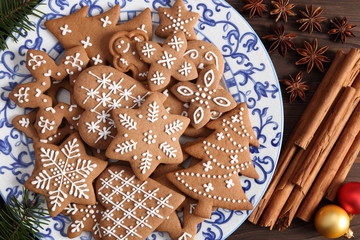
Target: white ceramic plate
<point>249,76</point>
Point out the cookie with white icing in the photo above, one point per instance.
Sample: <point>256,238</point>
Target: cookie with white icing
<point>99,90</point>
<point>204,96</point>
<point>64,174</point>
<point>134,208</point>
<point>204,54</point>
<point>177,228</point>
<point>84,218</point>
<point>44,70</point>
<point>174,106</point>
<point>214,182</point>
<point>147,136</point>
<point>93,33</point>
<point>122,47</point>
<point>177,19</point>
<point>49,119</point>
<point>167,61</point>
<point>26,124</point>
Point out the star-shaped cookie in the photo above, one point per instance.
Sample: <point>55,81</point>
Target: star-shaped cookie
<point>167,61</point>
<point>64,174</point>
<point>204,97</point>
<point>147,136</point>
<point>176,19</point>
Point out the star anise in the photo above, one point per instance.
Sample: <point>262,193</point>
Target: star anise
<point>255,6</point>
<point>296,87</point>
<point>280,38</point>
<point>282,9</point>
<point>312,56</point>
<point>311,20</point>
<point>342,29</point>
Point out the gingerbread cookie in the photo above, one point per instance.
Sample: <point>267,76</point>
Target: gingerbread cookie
<point>100,154</point>
<point>99,90</point>
<point>204,96</point>
<point>57,90</point>
<point>134,208</point>
<point>125,57</point>
<point>175,106</point>
<point>43,69</point>
<point>26,124</point>
<point>186,228</point>
<point>177,228</point>
<point>84,218</point>
<point>147,136</point>
<point>224,154</point>
<point>93,33</point>
<point>49,119</point>
<point>167,61</point>
<point>177,19</point>
<point>205,54</point>
<point>64,174</point>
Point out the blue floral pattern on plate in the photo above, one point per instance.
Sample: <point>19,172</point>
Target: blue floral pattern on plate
<point>249,76</point>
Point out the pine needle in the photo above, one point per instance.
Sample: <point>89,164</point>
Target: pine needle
<point>14,18</point>
<point>22,219</point>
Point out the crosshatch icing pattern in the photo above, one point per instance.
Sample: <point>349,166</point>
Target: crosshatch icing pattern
<point>249,77</point>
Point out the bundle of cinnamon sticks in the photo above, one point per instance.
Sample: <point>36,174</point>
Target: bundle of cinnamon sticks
<point>320,151</point>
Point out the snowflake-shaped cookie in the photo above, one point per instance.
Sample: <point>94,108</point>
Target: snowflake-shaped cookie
<point>134,208</point>
<point>167,61</point>
<point>64,174</point>
<point>84,218</point>
<point>204,97</point>
<point>99,90</point>
<point>177,19</point>
<point>147,136</point>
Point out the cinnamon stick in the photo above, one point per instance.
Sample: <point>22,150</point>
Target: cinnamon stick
<point>283,162</point>
<point>289,149</point>
<point>322,146</point>
<point>329,170</point>
<point>344,169</point>
<point>284,190</point>
<point>324,98</point>
<point>318,152</point>
<point>281,193</point>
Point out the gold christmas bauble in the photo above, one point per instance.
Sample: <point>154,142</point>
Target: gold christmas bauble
<point>332,221</point>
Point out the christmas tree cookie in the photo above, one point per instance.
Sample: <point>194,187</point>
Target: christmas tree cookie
<point>224,154</point>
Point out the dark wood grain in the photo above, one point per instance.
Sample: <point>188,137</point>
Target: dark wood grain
<point>286,66</point>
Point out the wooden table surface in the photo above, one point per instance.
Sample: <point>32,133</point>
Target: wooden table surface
<point>286,66</point>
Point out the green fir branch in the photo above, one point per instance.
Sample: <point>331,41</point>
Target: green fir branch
<point>21,220</point>
<point>14,18</point>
